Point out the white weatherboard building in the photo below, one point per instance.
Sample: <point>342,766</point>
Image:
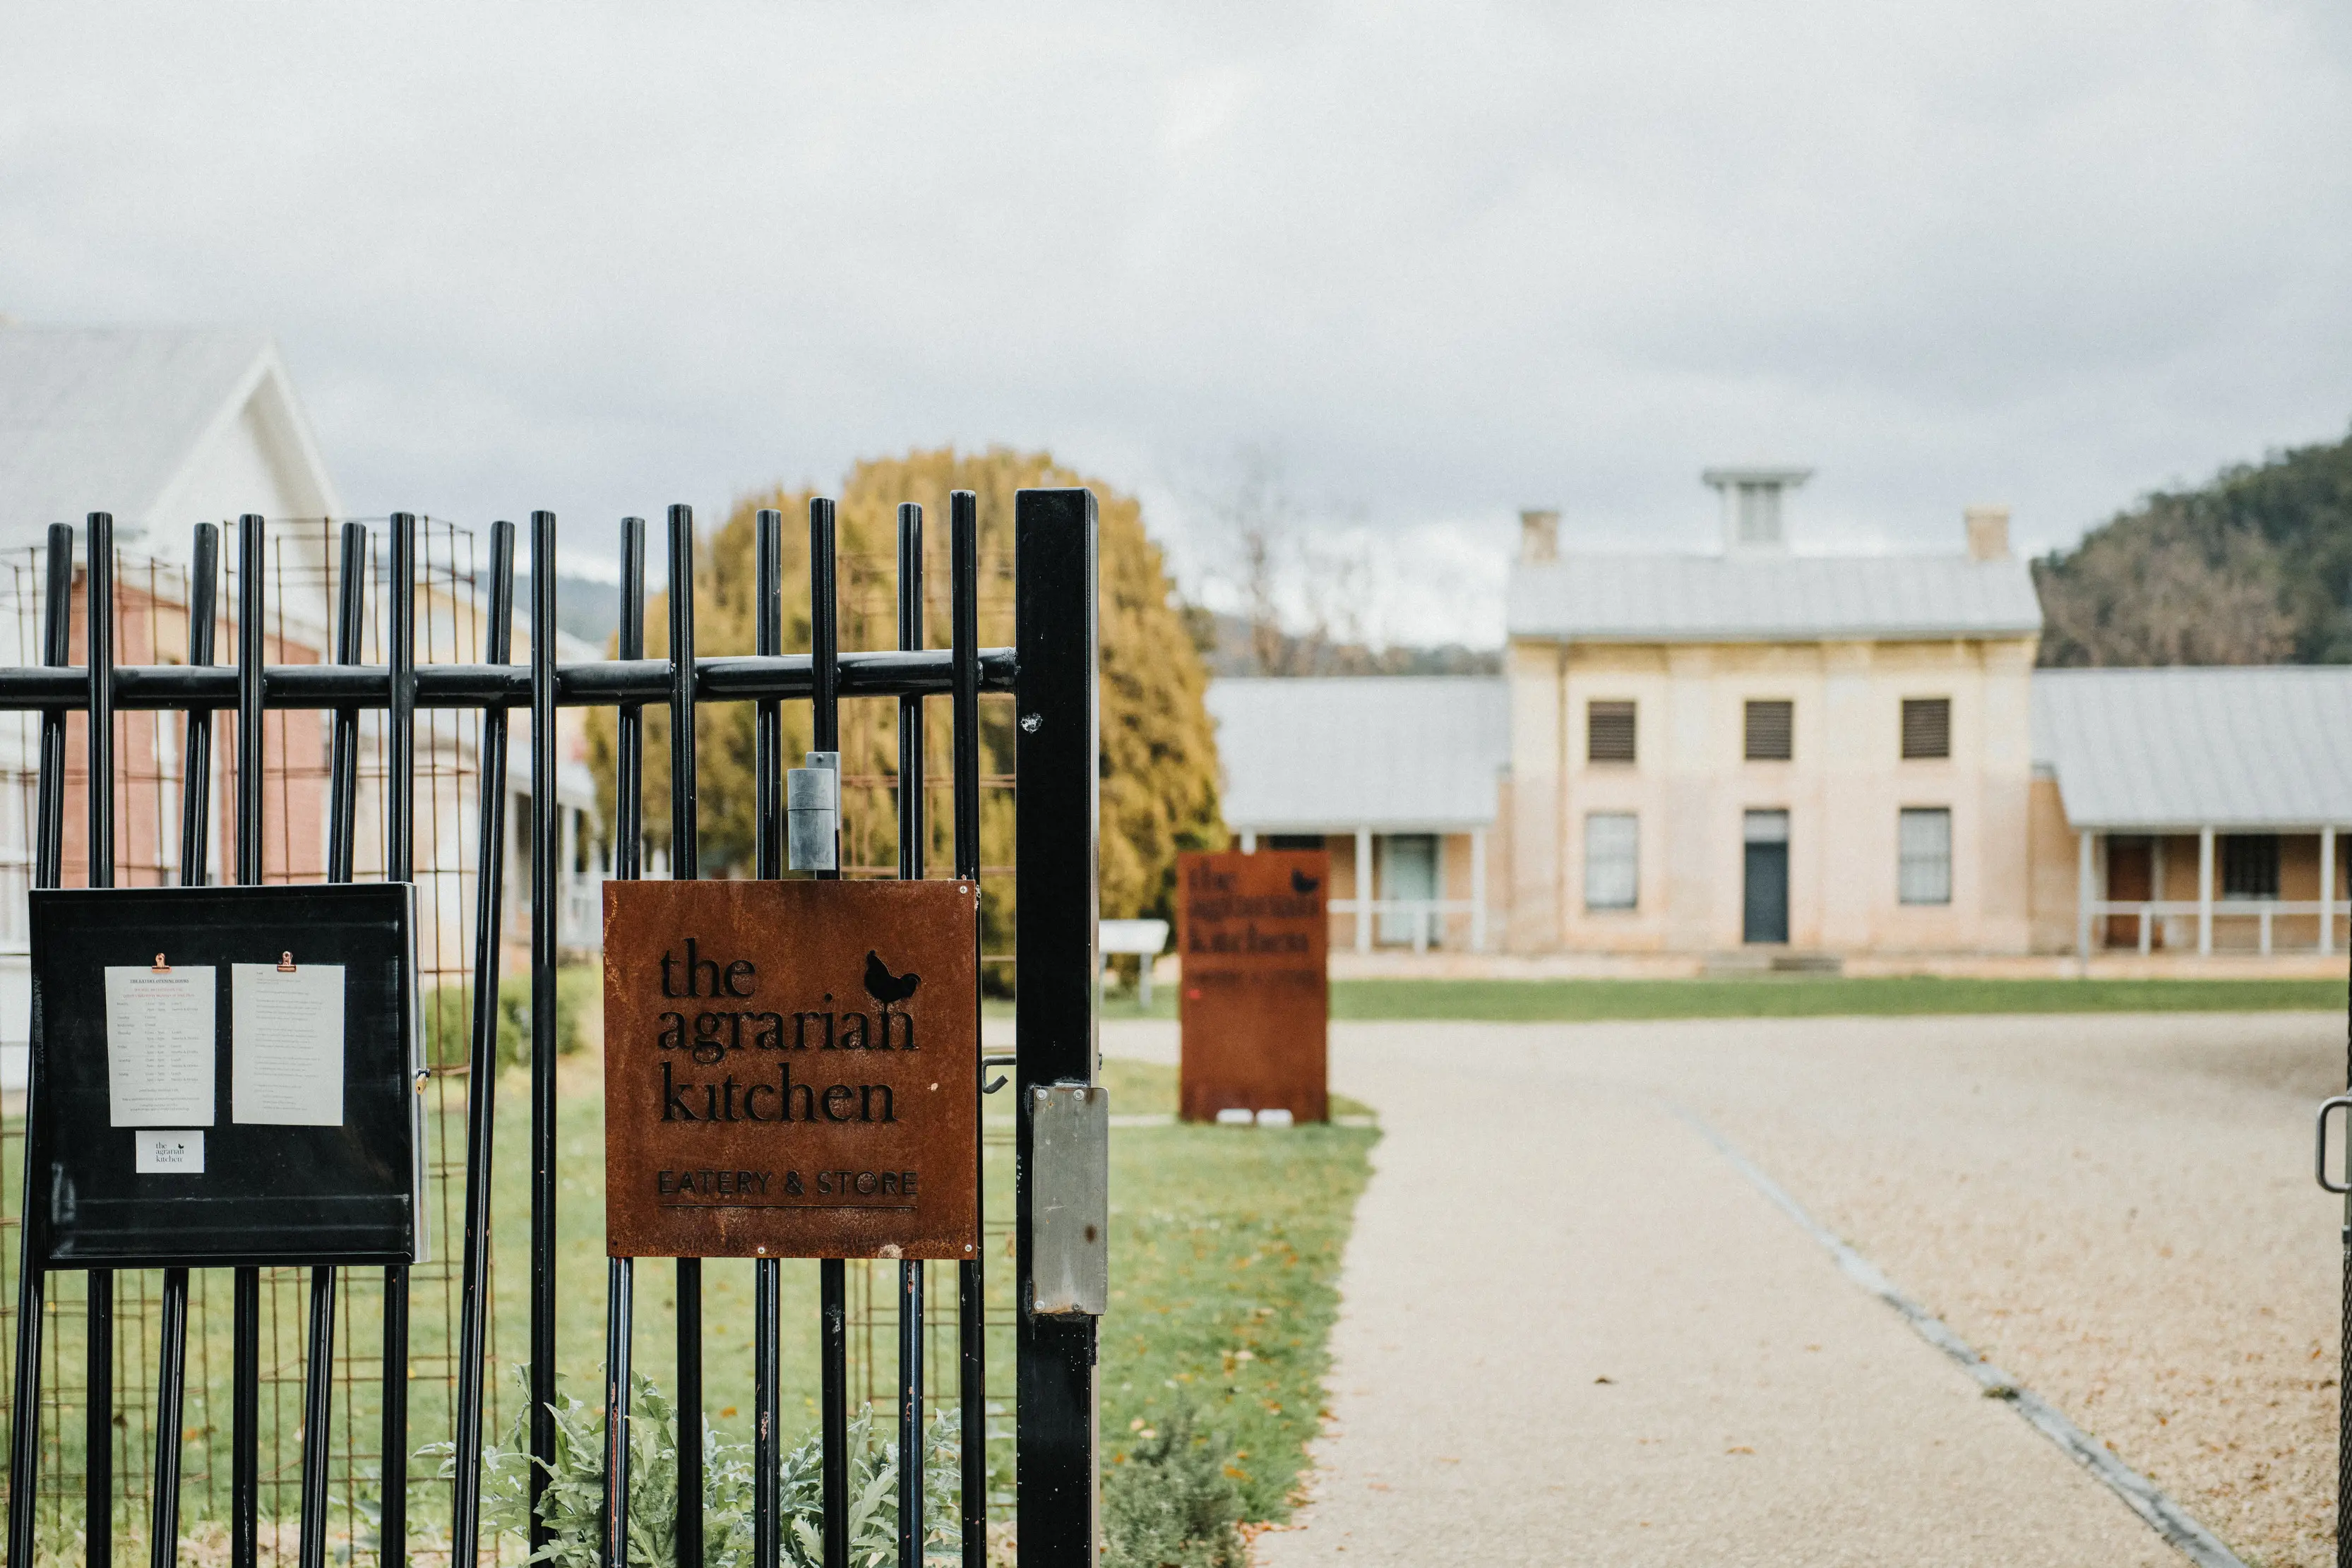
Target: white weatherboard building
<point>164,429</point>
<point>1798,758</point>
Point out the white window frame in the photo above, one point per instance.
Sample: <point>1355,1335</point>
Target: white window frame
<point>1923,872</point>
<point>1622,892</point>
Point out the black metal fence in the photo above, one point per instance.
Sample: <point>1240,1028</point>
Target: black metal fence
<point>323,1425</point>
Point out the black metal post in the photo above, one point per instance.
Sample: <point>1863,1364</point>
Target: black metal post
<point>318,1415</point>
<point>963,798</point>
<point>195,815</point>
<point>245,1372</point>
<point>685,865</point>
<point>195,772</point>
<point>98,617</point>
<point>1055,760</point>
<point>833,1275</point>
<point>342,833</point>
<point>244,1421</point>
<point>482,1069</point>
<point>768,832</point>
<point>628,838</point>
<point>399,865</point>
<point>171,1386</point>
<point>910,865</point>
<point>48,863</point>
<point>98,627</point>
<point>544,889</point>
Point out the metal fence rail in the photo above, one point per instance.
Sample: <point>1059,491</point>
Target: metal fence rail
<point>380,736</point>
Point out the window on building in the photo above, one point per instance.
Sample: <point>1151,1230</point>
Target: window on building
<point>1608,732</point>
<point>1771,731</point>
<point>1924,848</point>
<point>1612,860</point>
<point>1927,727</point>
<point>1293,840</point>
<point>2249,865</point>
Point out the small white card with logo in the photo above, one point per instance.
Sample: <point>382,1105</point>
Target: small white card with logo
<point>170,1154</point>
<point>158,1046</point>
<point>286,1044</point>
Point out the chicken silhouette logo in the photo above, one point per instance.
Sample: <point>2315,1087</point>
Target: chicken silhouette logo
<point>1302,885</point>
<point>888,989</point>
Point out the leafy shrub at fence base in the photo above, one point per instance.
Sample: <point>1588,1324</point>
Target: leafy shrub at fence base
<point>1173,1503</point>
<point>573,1508</point>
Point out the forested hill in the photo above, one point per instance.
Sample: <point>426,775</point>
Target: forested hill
<point>2254,567</point>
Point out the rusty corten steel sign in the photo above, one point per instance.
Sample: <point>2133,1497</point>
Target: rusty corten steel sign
<point>792,1069</point>
<point>1255,939</point>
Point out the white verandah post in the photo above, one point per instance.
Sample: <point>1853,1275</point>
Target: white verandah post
<point>2082,895</point>
<point>2205,891</point>
<point>2327,890</point>
<point>1478,889</point>
<point>1363,890</point>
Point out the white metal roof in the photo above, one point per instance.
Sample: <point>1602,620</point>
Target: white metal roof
<point>1392,753</point>
<point>108,418</point>
<point>2262,748</point>
<point>1750,598</point>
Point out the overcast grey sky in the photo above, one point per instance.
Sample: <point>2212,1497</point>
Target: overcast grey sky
<point>1446,260</point>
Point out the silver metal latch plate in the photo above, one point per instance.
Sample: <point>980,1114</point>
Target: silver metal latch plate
<point>812,813</point>
<point>1069,1199</point>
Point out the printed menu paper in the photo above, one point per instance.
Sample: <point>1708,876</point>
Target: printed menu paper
<point>159,1047</point>
<point>169,1154</point>
<point>286,1044</point>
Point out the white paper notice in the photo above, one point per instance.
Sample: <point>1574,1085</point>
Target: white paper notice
<point>286,1044</point>
<point>159,1047</point>
<point>169,1154</point>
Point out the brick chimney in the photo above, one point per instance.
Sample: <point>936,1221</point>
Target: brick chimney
<point>1987,533</point>
<point>1539,536</point>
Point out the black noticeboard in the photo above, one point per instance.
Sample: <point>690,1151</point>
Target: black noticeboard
<point>281,1148</point>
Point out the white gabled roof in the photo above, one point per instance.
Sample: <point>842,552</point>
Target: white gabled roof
<point>2261,748</point>
<point>111,419</point>
<point>1392,753</point>
<point>1743,599</point>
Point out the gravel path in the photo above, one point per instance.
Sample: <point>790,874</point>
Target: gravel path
<point>2117,1210</point>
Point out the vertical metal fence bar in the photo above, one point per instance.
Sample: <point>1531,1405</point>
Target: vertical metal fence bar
<point>963,799</point>
<point>481,1092</point>
<point>628,838</point>
<point>196,811</point>
<point>49,864</point>
<point>1055,756</point>
<point>343,758</point>
<point>543,933</point>
<point>767,1273</point>
<point>833,1275</point>
<point>244,1375</point>
<point>910,865</point>
<point>171,1386</point>
<point>342,831</point>
<point>685,865</point>
<point>195,772</point>
<point>98,1442</point>
<point>399,865</point>
<point>318,1416</point>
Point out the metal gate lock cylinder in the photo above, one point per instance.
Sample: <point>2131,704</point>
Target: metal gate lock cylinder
<point>812,813</point>
<point>1069,1199</point>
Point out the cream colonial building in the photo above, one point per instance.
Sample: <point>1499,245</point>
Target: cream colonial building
<point>1802,757</point>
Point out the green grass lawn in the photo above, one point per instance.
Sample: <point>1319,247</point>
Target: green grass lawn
<point>1226,1245</point>
<point>1792,996</point>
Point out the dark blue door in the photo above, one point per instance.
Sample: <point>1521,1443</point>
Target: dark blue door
<point>1765,916</point>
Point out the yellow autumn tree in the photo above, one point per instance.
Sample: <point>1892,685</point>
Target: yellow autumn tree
<point>1158,778</point>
